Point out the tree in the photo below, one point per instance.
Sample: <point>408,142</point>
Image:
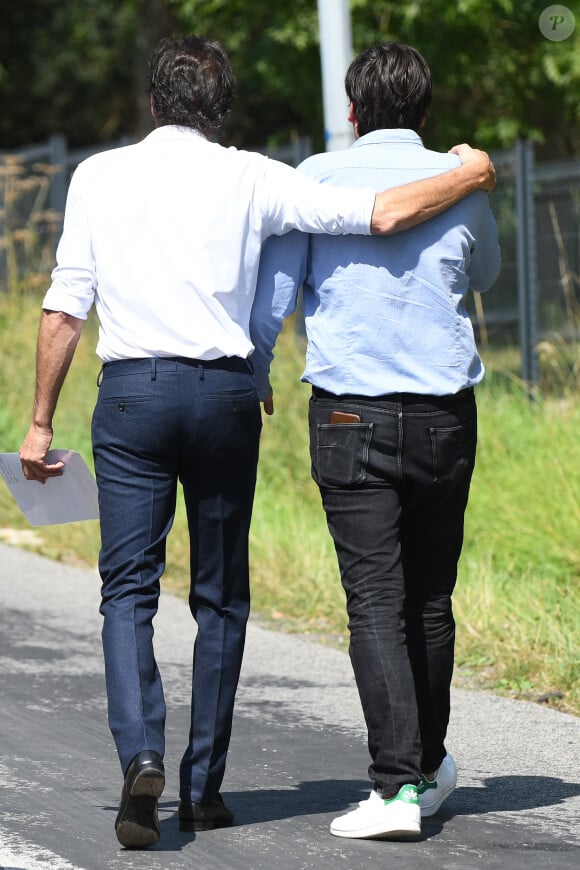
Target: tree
<point>79,67</point>
<point>496,77</point>
<point>274,51</point>
<point>75,67</point>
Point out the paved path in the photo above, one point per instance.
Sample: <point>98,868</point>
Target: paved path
<point>298,754</point>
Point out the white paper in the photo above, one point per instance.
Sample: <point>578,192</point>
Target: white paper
<point>65,499</point>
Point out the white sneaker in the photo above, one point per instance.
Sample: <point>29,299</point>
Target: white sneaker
<point>397,817</point>
<point>432,794</point>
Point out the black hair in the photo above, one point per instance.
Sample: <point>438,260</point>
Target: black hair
<point>390,87</point>
<point>192,83</point>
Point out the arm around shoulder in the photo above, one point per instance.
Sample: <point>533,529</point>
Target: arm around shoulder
<point>403,207</point>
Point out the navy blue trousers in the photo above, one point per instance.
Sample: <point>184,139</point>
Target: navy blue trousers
<point>158,423</point>
<point>395,487</point>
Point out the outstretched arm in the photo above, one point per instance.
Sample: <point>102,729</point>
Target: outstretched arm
<point>58,337</point>
<point>411,204</point>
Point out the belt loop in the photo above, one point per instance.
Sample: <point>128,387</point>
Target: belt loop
<point>250,365</point>
<point>100,377</point>
<point>153,369</point>
<point>201,372</point>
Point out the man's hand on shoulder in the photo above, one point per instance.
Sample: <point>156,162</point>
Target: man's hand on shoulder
<point>400,208</point>
<point>480,160</point>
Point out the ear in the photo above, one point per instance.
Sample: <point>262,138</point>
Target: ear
<point>152,105</point>
<point>352,118</point>
<point>422,122</point>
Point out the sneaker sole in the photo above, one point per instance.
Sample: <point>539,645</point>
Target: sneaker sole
<point>433,808</point>
<point>379,833</point>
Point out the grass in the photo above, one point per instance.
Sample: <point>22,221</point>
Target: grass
<point>517,600</point>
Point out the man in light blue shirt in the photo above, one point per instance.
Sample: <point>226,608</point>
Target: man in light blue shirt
<point>393,427</point>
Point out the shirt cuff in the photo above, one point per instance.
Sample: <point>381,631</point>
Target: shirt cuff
<point>59,299</point>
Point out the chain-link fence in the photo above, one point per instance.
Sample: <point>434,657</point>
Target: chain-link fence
<point>537,295</point>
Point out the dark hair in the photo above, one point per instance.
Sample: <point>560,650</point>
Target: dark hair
<point>390,87</point>
<point>192,83</point>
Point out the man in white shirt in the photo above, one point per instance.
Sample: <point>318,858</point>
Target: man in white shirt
<point>164,238</point>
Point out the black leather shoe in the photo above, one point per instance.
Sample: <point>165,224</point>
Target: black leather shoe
<point>204,817</point>
<point>137,824</point>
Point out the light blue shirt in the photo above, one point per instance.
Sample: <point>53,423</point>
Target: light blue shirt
<point>382,314</point>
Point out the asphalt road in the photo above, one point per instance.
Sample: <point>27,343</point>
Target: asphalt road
<point>297,758</point>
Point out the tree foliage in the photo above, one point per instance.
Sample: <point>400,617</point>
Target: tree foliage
<point>67,67</point>
<point>79,67</point>
<point>496,77</point>
<point>274,51</point>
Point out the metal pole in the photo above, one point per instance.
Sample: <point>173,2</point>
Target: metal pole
<point>533,363</point>
<point>335,56</point>
<point>522,260</point>
<point>58,187</point>
<point>526,262</point>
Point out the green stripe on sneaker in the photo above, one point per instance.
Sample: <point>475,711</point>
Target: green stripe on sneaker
<point>425,785</point>
<point>407,794</point>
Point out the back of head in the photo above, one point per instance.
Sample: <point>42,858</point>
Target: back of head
<point>191,83</point>
<point>390,87</point>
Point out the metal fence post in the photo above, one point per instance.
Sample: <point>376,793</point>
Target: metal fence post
<point>526,263</point>
<point>302,146</point>
<point>58,186</point>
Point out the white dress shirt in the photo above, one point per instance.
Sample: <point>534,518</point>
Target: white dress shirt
<point>164,237</point>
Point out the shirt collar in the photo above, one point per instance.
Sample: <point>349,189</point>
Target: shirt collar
<point>172,131</point>
<point>389,137</point>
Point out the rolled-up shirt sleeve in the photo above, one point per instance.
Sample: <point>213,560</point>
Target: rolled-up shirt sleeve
<point>290,200</point>
<point>74,277</point>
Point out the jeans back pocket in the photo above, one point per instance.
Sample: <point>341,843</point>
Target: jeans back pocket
<point>453,454</point>
<point>342,453</point>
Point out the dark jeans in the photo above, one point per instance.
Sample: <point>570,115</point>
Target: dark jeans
<point>395,488</point>
<point>158,422</point>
